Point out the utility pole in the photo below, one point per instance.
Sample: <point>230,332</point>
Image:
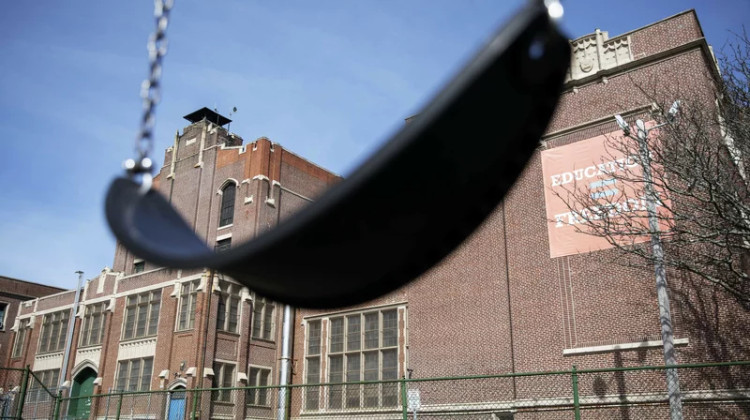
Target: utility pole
<point>665,315</point>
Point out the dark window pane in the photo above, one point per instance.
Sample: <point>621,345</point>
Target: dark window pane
<point>227,205</point>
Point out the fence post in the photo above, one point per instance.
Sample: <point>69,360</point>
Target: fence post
<point>22,392</point>
<point>195,404</point>
<point>576,402</point>
<point>58,403</point>
<point>119,407</point>
<point>404,403</point>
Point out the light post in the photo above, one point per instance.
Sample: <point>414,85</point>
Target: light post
<point>665,316</point>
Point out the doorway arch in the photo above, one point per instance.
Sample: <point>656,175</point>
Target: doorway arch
<point>79,407</point>
<point>177,403</point>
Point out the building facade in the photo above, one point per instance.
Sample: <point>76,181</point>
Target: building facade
<point>141,327</point>
<point>508,300</point>
<point>12,293</point>
<point>511,299</point>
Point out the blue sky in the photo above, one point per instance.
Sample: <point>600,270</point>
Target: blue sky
<point>328,80</point>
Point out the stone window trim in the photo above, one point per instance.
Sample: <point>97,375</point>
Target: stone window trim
<point>54,331</point>
<point>229,308</point>
<point>50,378</point>
<point>187,298</point>
<point>134,374</point>
<point>223,377</point>
<point>264,319</point>
<point>141,312</point>
<point>4,307</point>
<point>139,266</point>
<point>228,193</point>
<point>19,344</point>
<point>92,325</point>
<point>384,345</point>
<point>259,376</point>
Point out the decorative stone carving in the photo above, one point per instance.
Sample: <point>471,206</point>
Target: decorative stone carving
<point>594,52</point>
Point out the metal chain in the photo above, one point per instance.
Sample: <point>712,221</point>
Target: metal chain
<point>151,92</point>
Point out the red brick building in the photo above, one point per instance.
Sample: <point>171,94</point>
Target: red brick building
<point>12,293</point>
<point>499,304</point>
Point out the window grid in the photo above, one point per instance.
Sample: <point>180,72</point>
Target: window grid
<point>227,204</point>
<point>223,375</point>
<point>19,344</point>
<point>188,298</point>
<point>50,379</point>
<point>312,362</point>
<point>141,315</point>
<point>223,245</point>
<point>54,328</point>
<point>135,374</point>
<point>3,312</point>
<point>228,310</point>
<point>371,354</point>
<point>92,332</point>
<point>263,316</point>
<point>258,377</point>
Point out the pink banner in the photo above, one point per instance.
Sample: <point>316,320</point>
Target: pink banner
<point>589,168</point>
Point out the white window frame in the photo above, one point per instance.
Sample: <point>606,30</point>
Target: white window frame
<point>230,293</point>
<point>48,324</point>
<point>4,317</point>
<point>86,339</point>
<point>128,375</point>
<point>260,306</point>
<point>253,396</point>
<point>220,381</point>
<point>387,397</point>
<point>149,302</point>
<point>24,325</point>
<point>192,288</point>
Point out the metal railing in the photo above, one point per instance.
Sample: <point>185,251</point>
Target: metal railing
<point>717,390</point>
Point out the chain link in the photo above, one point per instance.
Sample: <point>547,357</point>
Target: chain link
<point>151,89</point>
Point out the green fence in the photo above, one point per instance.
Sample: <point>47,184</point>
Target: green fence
<point>24,396</point>
<point>708,391</point>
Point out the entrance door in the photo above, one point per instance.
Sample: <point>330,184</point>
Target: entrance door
<point>83,386</point>
<point>176,404</point>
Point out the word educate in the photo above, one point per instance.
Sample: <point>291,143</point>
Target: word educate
<point>592,171</point>
<point>609,210</point>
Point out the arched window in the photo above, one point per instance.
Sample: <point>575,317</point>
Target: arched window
<point>227,204</point>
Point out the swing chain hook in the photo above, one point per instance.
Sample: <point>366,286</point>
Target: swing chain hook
<point>142,165</point>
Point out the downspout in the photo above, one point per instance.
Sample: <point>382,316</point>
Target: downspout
<point>510,309</point>
<point>207,317</point>
<point>71,326</point>
<point>286,350</point>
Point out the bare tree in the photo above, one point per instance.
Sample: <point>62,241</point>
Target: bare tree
<point>700,170</point>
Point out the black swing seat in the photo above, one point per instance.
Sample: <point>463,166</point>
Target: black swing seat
<point>407,207</point>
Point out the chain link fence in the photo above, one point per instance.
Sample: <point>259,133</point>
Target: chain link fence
<point>707,391</point>
<point>24,396</point>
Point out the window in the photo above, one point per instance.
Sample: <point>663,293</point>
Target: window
<point>363,347</point>
<point>54,328</point>
<point>227,204</point>
<point>258,377</point>
<point>223,245</point>
<point>18,345</point>
<point>3,312</point>
<point>48,378</point>
<point>135,374</point>
<point>92,332</point>
<point>141,315</point>
<point>263,318</point>
<point>188,297</point>
<point>312,376</point>
<point>228,311</point>
<point>139,266</point>
<point>223,375</point>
